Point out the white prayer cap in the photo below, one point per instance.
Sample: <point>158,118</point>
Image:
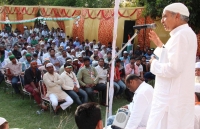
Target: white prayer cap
<point>79,55</point>
<point>96,49</point>
<point>49,64</point>
<point>103,46</point>
<point>67,47</point>
<point>69,60</point>
<point>178,8</point>
<point>41,43</point>
<point>197,65</point>
<point>15,34</point>
<point>46,59</point>
<point>23,52</point>
<point>25,27</point>
<point>2,120</point>
<point>1,35</point>
<point>75,59</point>
<point>125,52</point>
<point>72,50</point>
<point>197,87</point>
<point>28,46</point>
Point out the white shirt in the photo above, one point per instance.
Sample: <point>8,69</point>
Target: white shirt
<point>102,74</point>
<point>197,117</point>
<point>46,55</point>
<point>64,44</point>
<point>36,30</point>
<point>63,35</point>
<point>62,60</point>
<point>174,81</point>
<point>68,82</point>
<point>140,69</point>
<point>29,40</point>
<point>44,32</point>
<point>140,106</point>
<point>15,69</point>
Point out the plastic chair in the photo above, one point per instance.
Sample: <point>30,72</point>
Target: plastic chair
<point>43,91</point>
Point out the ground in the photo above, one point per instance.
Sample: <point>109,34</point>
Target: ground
<point>22,113</point>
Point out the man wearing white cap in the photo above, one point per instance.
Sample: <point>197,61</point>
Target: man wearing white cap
<point>23,54</point>
<point>173,100</point>
<point>197,106</point>
<point>6,41</point>
<point>3,123</point>
<point>53,83</point>
<point>26,32</point>
<point>14,39</point>
<point>197,72</point>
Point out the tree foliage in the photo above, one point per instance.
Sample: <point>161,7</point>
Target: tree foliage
<point>154,8</point>
<point>95,3</point>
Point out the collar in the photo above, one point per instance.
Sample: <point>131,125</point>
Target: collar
<point>67,72</point>
<point>86,67</point>
<point>140,87</point>
<point>174,31</point>
<point>98,66</point>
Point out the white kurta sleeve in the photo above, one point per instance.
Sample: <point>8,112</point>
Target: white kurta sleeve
<point>139,107</point>
<point>171,60</point>
<point>47,81</point>
<point>58,81</point>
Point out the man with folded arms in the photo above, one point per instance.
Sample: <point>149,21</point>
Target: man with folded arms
<point>71,86</point>
<point>53,83</point>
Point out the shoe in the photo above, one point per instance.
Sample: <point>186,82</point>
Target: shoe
<point>56,110</point>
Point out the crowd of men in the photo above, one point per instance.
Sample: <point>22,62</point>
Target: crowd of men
<point>72,71</point>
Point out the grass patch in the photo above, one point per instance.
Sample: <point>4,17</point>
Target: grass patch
<point>22,113</point>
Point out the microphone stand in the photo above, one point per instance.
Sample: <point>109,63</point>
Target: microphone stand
<point>108,74</point>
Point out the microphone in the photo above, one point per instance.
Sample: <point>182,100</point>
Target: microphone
<point>152,26</point>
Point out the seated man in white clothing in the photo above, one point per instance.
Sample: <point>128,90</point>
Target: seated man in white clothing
<point>197,106</point>
<point>54,92</point>
<point>141,104</point>
<point>71,86</point>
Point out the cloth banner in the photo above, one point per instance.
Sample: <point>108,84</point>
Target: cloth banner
<point>105,32</point>
<point>20,27</point>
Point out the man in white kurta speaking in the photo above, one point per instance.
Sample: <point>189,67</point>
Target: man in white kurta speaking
<point>173,100</point>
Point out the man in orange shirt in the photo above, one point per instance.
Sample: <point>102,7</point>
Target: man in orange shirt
<point>117,79</point>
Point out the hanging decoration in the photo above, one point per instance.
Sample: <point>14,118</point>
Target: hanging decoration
<point>37,18</point>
